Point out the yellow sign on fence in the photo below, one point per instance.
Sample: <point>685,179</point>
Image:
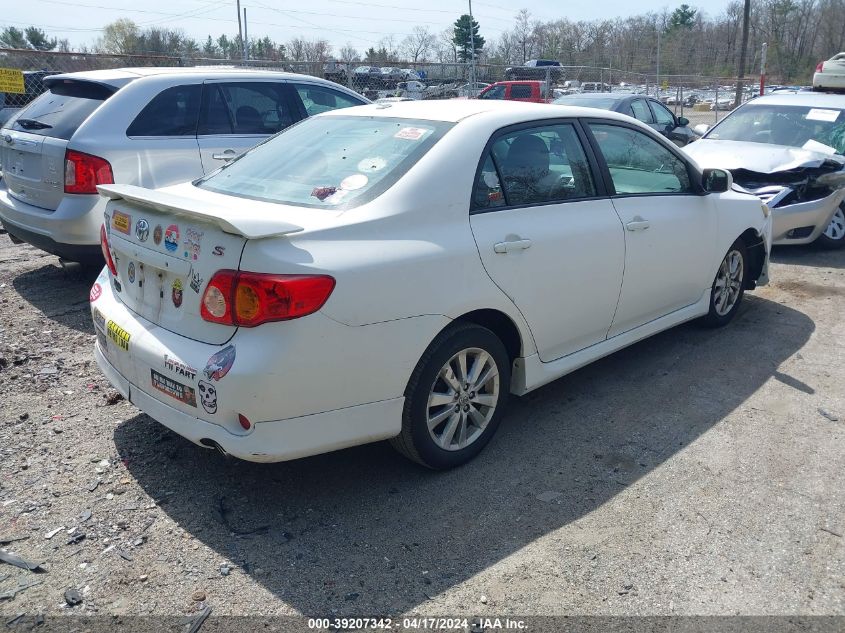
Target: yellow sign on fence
<point>11,80</point>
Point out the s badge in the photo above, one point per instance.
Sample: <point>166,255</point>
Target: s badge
<point>219,251</point>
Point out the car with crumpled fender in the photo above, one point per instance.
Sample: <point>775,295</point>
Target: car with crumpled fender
<point>788,149</point>
<point>395,271</point>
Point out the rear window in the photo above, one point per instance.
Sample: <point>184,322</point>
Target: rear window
<point>59,112</point>
<point>328,162</point>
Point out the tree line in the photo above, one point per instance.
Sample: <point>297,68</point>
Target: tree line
<point>799,34</point>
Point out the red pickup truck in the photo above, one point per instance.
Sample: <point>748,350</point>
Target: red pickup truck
<point>533,91</point>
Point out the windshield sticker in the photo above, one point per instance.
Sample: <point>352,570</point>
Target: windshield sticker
<point>818,114</point>
<point>369,165</point>
<point>321,193</point>
<point>96,291</point>
<point>121,221</point>
<point>142,230</point>
<point>356,181</point>
<point>220,363</point>
<point>118,335</point>
<point>196,282</point>
<point>208,397</point>
<point>192,243</point>
<point>171,363</point>
<point>157,235</point>
<point>176,390</point>
<point>171,238</point>
<point>130,272</point>
<point>176,292</point>
<point>411,133</point>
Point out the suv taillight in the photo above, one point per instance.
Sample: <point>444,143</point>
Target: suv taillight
<point>83,172</point>
<point>820,67</point>
<point>235,297</point>
<point>104,244</point>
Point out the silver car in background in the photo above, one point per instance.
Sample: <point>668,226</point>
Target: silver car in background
<point>789,150</point>
<point>150,127</point>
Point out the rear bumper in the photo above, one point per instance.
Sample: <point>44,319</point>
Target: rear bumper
<point>271,441</point>
<point>70,252</point>
<point>815,213</point>
<point>73,227</point>
<point>829,80</point>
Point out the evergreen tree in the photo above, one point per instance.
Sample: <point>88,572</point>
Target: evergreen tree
<point>465,33</point>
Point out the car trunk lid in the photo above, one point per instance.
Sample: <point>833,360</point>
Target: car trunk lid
<point>166,247</point>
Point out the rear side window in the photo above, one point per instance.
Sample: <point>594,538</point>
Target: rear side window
<point>317,99</point>
<point>246,108</point>
<point>520,91</point>
<point>172,112</point>
<point>59,112</point>
<point>641,111</point>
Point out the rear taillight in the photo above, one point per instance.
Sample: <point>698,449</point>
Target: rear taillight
<point>104,244</point>
<point>83,172</point>
<point>820,67</point>
<point>247,299</point>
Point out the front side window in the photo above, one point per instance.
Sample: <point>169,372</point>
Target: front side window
<point>328,162</point>
<point>496,92</point>
<point>535,166</point>
<point>245,108</point>
<point>172,112</point>
<point>317,99</point>
<point>662,115</point>
<point>639,164</point>
<point>641,111</point>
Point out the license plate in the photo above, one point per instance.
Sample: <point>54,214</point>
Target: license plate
<point>121,221</point>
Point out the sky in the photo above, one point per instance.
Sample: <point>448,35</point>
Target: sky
<point>361,23</point>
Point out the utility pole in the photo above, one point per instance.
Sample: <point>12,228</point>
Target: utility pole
<point>246,39</point>
<point>240,28</point>
<point>657,77</point>
<point>472,54</point>
<point>740,72</point>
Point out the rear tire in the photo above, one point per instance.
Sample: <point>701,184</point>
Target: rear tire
<point>455,398</point>
<point>834,233</point>
<point>728,286</point>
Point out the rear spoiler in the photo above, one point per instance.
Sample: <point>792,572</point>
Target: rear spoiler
<point>229,220</point>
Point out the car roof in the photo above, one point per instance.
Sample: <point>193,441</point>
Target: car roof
<point>455,110</point>
<point>121,76</point>
<point>820,99</point>
<point>606,95</point>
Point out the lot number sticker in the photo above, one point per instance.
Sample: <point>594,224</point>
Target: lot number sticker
<point>11,80</point>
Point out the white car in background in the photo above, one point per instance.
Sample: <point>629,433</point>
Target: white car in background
<point>396,270</point>
<point>830,75</point>
<point>144,126</point>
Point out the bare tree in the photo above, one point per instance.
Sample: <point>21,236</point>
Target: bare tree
<point>417,46</point>
<point>524,33</point>
<point>349,53</point>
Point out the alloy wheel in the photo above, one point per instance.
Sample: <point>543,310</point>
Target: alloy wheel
<point>463,399</point>
<point>836,229</point>
<point>728,285</point>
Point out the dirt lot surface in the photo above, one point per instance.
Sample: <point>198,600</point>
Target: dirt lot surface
<point>698,472</point>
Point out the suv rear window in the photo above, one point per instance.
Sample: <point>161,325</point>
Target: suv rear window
<point>59,112</point>
<point>333,162</point>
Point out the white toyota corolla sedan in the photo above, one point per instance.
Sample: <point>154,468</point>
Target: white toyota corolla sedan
<point>396,271</point>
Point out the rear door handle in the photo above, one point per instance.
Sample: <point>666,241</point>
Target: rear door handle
<point>509,247</point>
<point>228,154</point>
<point>637,224</point>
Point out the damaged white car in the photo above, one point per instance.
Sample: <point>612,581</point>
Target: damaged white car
<point>788,150</point>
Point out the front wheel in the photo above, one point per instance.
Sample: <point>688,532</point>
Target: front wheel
<point>728,286</point>
<point>834,233</point>
<point>455,397</point>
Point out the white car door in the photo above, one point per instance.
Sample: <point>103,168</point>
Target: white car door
<point>237,115</point>
<point>670,227</point>
<point>547,237</point>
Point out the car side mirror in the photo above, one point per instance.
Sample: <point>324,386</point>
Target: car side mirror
<point>682,121</point>
<point>717,180</point>
<point>701,129</point>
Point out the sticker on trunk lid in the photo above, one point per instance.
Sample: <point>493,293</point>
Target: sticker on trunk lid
<point>121,221</point>
<point>171,238</point>
<point>176,292</point>
<point>142,230</point>
<point>192,243</point>
<point>118,335</point>
<point>174,389</point>
<point>157,232</point>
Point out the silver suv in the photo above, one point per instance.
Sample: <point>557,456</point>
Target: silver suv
<point>145,126</point>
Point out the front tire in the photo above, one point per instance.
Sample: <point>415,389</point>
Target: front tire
<point>728,286</point>
<point>834,233</point>
<point>455,398</point>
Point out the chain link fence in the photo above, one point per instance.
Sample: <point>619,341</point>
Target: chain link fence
<point>700,99</point>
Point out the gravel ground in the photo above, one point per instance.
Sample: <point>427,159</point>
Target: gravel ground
<point>698,472</point>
